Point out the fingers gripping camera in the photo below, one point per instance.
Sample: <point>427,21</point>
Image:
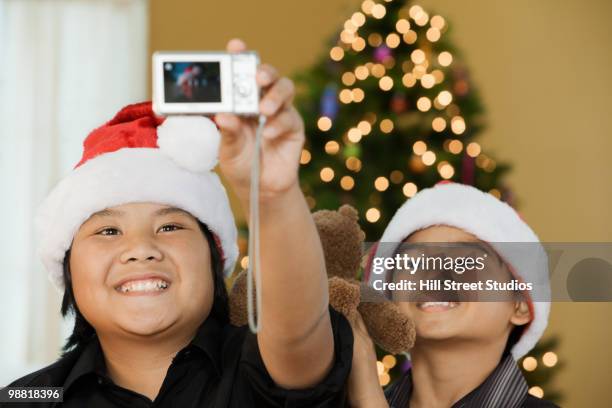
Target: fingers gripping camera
<point>205,83</point>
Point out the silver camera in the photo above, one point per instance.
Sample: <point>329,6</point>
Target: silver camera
<point>205,82</point>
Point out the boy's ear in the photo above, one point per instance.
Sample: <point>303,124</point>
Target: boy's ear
<point>521,314</point>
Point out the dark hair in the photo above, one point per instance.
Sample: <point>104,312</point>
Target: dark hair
<point>83,331</point>
<point>513,338</point>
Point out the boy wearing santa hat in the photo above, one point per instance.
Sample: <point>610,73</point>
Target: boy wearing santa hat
<point>139,238</point>
<point>465,352</point>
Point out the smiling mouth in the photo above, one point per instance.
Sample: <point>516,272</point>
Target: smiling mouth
<point>143,286</point>
<point>436,306</point>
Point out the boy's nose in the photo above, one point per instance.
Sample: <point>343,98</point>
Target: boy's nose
<point>141,250</point>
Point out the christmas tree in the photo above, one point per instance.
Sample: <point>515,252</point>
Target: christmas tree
<point>389,110</point>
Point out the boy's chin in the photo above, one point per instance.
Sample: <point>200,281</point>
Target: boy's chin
<point>146,325</point>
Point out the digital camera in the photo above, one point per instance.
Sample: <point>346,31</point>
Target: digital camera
<point>202,82</point>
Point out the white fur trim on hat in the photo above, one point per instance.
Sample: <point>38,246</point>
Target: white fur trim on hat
<point>126,176</point>
<point>492,221</point>
<point>191,141</point>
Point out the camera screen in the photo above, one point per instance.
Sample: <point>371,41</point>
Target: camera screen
<point>196,82</point>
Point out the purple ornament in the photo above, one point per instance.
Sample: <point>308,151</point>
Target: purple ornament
<point>382,53</point>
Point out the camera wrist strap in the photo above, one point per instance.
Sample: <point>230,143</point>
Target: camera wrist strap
<point>254,266</point>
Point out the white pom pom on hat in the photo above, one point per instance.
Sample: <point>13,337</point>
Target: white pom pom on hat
<point>191,141</point>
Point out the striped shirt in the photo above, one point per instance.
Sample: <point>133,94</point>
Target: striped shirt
<point>504,387</point>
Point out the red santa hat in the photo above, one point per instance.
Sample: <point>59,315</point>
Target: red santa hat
<point>139,157</point>
<point>492,221</point>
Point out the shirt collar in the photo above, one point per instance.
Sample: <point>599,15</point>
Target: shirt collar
<point>208,339</point>
<point>91,359</point>
<point>504,387</point>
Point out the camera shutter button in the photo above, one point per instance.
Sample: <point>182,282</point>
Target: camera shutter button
<point>243,87</point>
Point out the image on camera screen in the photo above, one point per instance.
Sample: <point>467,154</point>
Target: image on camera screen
<point>196,82</point>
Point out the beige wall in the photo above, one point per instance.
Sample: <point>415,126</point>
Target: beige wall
<point>543,68</point>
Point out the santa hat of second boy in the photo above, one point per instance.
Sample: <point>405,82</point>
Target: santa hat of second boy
<point>490,220</point>
<point>139,157</point>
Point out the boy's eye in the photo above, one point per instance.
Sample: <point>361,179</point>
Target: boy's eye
<point>169,227</point>
<point>108,231</point>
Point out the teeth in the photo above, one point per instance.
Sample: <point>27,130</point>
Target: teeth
<point>149,285</point>
<point>425,305</point>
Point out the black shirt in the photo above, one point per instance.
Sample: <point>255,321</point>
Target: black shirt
<point>504,387</point>
<point>221,367</point>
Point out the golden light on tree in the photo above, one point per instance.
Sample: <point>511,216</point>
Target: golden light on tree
<point>402,26</point>
<point>375,39</point>
<point>455,146</point>
<point>458,125</point>
<point>389,361</point>
<point>347,37</point>
<point>392,40</point>
<point>361,72</point>
<point>423,104</point>
<point>428,81</point>
<point>332,147</point>
<point>353,163</point>
<point>381,183</point>
<point>445,98</point>
<point>324,123</point>
<point>438,124</point>
<point>354,135</point>
<point>384,379</point>
<point>418,71</point>
<point>409,80</point>
<point>358,19</point>
<point>345,96</point>
<point>358,44</point>
<point>378,11</point>
<point>378,70</point>
<point>417,56</point>
<point>446,170</point>
<point>305,157</point>
<point>410,37</point>
<point>550,359</point>
<point>428,158</point>
<point>385,83</point>
<point>327,174</point>
<point>419,147</point>
<point>348,78</point>
<point>336,53</point>
<point>530,363</point>
<point>244,262</point>
<point>373,214</point>
<point>473,149</point>
<point>364,127</point>
<point>433,34</point>
<point>347,183</point>
<point>357,95</point>
<point>409,189</point>
<point>445,58</point>
<point>386,125</point>
<point>437,22</point>
<point>439,75</point>
<point>536,391</point>
<point>350,26</point>
<point>367,6</point>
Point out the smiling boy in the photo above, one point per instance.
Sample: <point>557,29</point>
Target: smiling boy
<point>140,236</point>
<point>465,352</point>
